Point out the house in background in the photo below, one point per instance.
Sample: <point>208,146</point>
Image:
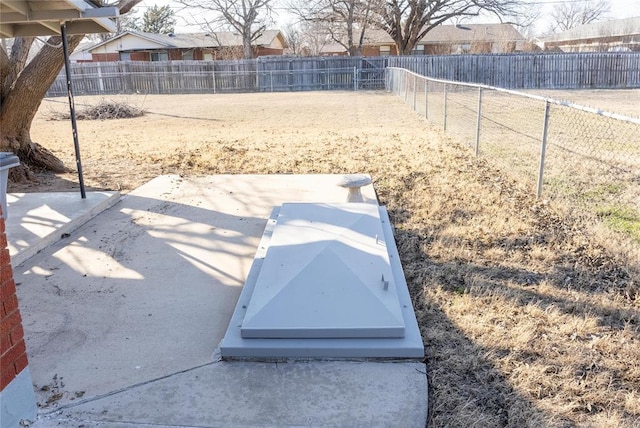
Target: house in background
<point>376,43</point>
<point>608,36</point>
<point>138,46</point>
<point>473,38</point>
<point>443,40</point>
<point>81,53</point>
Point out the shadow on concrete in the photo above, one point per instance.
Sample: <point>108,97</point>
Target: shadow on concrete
<point>145,289</point>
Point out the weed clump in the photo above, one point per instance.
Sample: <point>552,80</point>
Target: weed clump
<point>102,111</point>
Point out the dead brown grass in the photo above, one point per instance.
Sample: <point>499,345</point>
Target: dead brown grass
<point>527,319</point>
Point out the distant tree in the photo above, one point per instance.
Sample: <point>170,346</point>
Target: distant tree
<point>313,37</point>
<point>249,18</point>
<point>159,20</point>
<point>23,85</point>
<point>295,40</point>
<point>572,14</point>
<point>408,21</point>
<point>344,21</point>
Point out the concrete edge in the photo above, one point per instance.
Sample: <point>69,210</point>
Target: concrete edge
<point>18,401</point>
<point>67,228</point>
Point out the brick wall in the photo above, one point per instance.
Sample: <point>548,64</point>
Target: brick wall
<point>105,57</point>
<point>13,353</point>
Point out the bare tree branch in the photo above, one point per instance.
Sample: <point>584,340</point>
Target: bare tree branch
<point>408,21</point>
<point>344,21</point>
<point>569,15</point>
<point>249,18</point>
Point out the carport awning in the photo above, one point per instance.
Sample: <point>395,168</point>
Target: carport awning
<point>26,18</point>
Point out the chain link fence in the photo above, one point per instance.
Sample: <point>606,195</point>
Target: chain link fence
<point>584,158</point>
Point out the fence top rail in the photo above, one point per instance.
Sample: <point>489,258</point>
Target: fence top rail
<point>524,94</point>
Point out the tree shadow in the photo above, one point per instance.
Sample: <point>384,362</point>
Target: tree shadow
<point>473,377</point>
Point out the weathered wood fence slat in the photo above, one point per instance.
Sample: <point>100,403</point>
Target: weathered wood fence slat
<point>520,71</point>
<point>607,70</point>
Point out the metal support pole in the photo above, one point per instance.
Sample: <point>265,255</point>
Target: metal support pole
<point>477,148</point>
<point>355,79</point>
<point>406,85</point>
<point>415,91</point>
<point>543,147</point>
<point>444,121</point>
<point>426,99</point>
<point>72,108</point>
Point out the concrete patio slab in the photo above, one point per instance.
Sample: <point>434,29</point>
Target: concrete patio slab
<point>37,220</point>
<point>136,300</point>
<point>235,394</point>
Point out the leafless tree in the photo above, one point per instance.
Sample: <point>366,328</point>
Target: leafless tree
<point>314,39</point>
<point>23,85</point>
<point>294,37</point>
<point>344,21</point>
<point>408,21</point>
<point>572,14</point>
<point>249,18</point>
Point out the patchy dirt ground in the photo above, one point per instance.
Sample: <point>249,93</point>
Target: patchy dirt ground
<point>528,318</point>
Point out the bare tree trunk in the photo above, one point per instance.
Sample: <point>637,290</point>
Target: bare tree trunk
<point>246,46</point>
<point>20,102</point>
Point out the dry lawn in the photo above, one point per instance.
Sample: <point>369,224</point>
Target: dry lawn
<point>527,318</point>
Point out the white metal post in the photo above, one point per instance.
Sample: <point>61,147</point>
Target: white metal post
<point>426,98</point>
<point>477,147</point>
<point>543,147</point>
<point>355,78</point>
<point>415,91</point>
<point>444,120</point>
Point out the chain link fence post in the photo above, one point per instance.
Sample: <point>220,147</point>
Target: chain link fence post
<point>543,147</point>
<point>479,120</point>
<point>444,108</point>
<point>355,78</point>
<point>415,91</point>
<point>426,99</point>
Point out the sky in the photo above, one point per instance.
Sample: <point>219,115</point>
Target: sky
<point>619,9</point>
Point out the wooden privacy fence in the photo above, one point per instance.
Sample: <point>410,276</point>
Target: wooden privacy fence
<point>279,74</point>
<point>261,75</point>
<point>531,71</point>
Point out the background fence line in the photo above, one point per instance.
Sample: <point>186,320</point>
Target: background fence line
<point>281,74</point>
<point>261,75</point>
<point>584,157</point>
<point>531,71</point>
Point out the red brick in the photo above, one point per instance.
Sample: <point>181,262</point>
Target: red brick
<point>7,375</point>
<point>10,356</point>
<point>9,304</point>
<point>7,289</point>
<point>16,335</point>
<point>8,323</point>
<point>21,363</point>
<point>3,241</point>
<point>1,222</point>
<point>6,273</point>
<point>5,260</point>
<point>5,343</point>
